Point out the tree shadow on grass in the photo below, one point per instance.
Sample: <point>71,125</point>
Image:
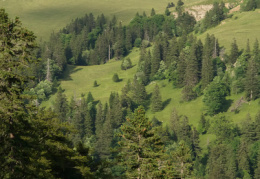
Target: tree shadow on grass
<point>70,69</point>
<point>166,103</point>
<point>227,105</point>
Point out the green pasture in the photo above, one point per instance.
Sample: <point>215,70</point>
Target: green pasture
<point>242,26</point>
<point>45,16</point>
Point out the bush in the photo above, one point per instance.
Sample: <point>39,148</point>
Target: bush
<point>126,64</point>
<point>138,42</point>
<point>116,78</point>
<point>95,83</point>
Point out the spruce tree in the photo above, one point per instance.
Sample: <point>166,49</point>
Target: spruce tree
<point>242,156</point>
<point>138,91</point>
<point>33,144</point>
<point>234,52</point>
<point>156,104</point>
<point>104,139</point>
<point>191,75</point>
<point>61,105</point>
<point>99,119</point>
<point>257,170</point>
<point>174,122</point>
<point>141,148</point>
<point>153,12</point>
<point>156,58</point>
<point>182,160</point>
<point>207,72</point>
<point>252,80</point>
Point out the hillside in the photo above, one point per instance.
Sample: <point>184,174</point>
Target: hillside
<point>45,16</point>
<point>79,80</point>
<point>242,26</point>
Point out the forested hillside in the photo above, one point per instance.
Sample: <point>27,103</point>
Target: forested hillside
<point>144,99</point>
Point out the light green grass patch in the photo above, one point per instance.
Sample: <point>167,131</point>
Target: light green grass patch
<point>245,26</point>
<point>45,16</point>
<point>79,80</point>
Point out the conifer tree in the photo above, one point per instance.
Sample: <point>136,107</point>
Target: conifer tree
<point>221,162</point>
<point>139,94</point>
<point>182,160</point>
<point>156,99</point>
<point>252,80</point>
<point>257,126</point>
<point>242,156</point>
<point>141,148</point>
<point>99,119</point>
<point>105,137</point>
<point>61,105</point>
<point>153,12</point>
<point>147,67</point>
<point>174,122</point>
<point>207,72</point>
<point>181,67</point>
<point>234,52</point>
<point>191,75</point>
<point>156,58</point>
<point>32,140</point>
<point>90,98</point>
<point>257,170</point>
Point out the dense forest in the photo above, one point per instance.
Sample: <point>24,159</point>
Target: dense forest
<point>83,138</point>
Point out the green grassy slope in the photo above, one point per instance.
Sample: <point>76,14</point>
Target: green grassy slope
<point>242,26</point>
<point>45,16</point>
<point>80,80</point>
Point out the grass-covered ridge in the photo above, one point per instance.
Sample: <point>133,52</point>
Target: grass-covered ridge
<point>45,16</point>
<point>80,79</point>
<point>242,26</point>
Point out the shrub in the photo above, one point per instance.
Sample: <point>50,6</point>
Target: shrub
<point>115,78</point>
<point>95,83</point>
<point>126,64</point>
<point>138,42</point>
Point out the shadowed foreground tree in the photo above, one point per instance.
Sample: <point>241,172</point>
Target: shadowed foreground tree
<point>32,142</point>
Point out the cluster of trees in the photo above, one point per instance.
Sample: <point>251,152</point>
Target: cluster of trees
<point>83,138</point>
<point>213,17</point>
<point>33,144</point>
<point>91,41</point>
<point>250,5</point>
<point>201,68</point>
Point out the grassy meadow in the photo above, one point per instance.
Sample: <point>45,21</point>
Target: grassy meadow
<point>79,80</point>
<point>45,16</point>
<point>242,26</point>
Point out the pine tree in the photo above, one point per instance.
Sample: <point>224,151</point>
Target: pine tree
<point>207,72</point>
<point>141,148</point>
<point>252,80</point>
<point>234,52</point>
<point>257,170</point>
<point>153,12</point>
<point>99,119</point>
<point>61,105</point>
<point>32,140</point>
<point>156,58</point>
<point>138,91</point>
<point>174,122</point>
<point>191,75</point>
<point>156,99</point>
<point>182,160</point>
<point>257,126</point>
<point>105,137</point>
<point>220,162</point>
<point>147,67</point>
<point>242,156</point>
